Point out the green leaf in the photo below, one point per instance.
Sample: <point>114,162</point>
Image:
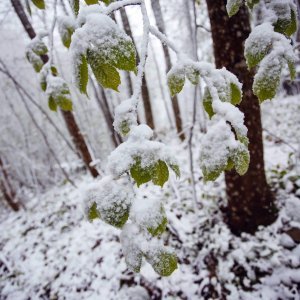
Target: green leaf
<point>160,229</point>
<point>75,6</point>
<point>230,165</point>
<point>123,56</point>
<point>160,173</point>
<point>267,80</point>
<point>192,75</point>
<point>212,175</point>
<point>116,216</point>
<point>91,2</point>
<point>164,263</point>
<point>106,75</point>
<point>64,103</point>
<point>52,104</point>
<point>66,38</point>
<point>39,3</point>
<point>54,71</point>
<point>233,7</point>
<point>241,161</point>
<point>236,94</point>
<point>82,75</point>
<point>175,169</point>
<point>124,127</point>
<point>43,82</point>
<point>254,58</point>
<point>293,24</point>
<point>207,103</point>
<point>176,81</point>
<point>292,69</point>
<point>35,61</point>
<point>139,174</point>
<point>251,3</point>
<point>107,1</point>
<point>39,47</point>
<point>93,213</point>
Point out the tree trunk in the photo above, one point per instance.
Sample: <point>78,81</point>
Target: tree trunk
<point>145,90</point>
<point>7,189</point>
<point>68,116</point>
<point>161,27</point>
<point>250,201</point>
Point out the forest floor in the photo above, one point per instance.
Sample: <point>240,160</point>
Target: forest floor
<point>50,251</point>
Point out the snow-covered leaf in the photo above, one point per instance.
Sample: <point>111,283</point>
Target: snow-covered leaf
<point>233,6</point>
<point>176,79</point>
<point>163,262</point>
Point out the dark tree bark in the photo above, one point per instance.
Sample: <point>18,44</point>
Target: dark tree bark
<point>7,189</point>
<point>68,116</point>
<point>161,27</point>
<point>250,201</point>
<point>145,90</point>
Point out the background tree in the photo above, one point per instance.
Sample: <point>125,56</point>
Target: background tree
<point>250,200</point>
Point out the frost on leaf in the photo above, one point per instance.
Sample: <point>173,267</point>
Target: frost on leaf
<point>271,50</point>
<point>75,6</point>
<point>149,215</point>
<point>285,16</point>
<point>104,45</point>
<point>66,27</point>
<point>110,200</point>
<point>233,6</point>
<point>221,151</point>
<point>162,261</point>
<point>146,160</point>
<point>252,3</point>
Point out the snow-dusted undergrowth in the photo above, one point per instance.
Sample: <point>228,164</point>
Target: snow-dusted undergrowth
<point>51,252</point>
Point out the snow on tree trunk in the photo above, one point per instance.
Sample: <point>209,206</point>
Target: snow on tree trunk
<point>250,201</point>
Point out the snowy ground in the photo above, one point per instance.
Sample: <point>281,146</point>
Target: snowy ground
<point>51,252</point>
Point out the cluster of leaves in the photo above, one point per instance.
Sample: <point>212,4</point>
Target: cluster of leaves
<point>268,44</point>
<point>100,43</point>
<point>219,151</point>
<point>55,87</point>
<point>35,49</point>
<point>111,200</point>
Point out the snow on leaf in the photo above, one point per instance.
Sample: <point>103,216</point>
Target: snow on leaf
<point>160,173</point>
<point>113,200</point>
<point>176,79</point>
<point>106,75</point>
<point>125,117</point>
<point>219,149</point>
<point>66,28</point>
<point>267,79</point>
<point>75,6</point>
<point>258,44</point>
<point>163,262</point>
<point>233,6</point>
<point>107,47</point>
<point>149,215</point>
<point>131,247</point>
<point>252,3</point>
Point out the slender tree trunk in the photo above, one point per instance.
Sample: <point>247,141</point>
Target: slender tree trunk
<point>68,116</point>
<point>145,90</point>
<point>161,26</point>
<point>250,201</point>
<point>7,189</point>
